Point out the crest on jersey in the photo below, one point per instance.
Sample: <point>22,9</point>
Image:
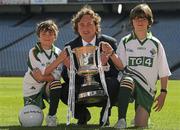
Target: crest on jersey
<point>153,52</point>
<point>129,50</point>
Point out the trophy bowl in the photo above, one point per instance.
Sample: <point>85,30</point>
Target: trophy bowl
<point>90,91</point>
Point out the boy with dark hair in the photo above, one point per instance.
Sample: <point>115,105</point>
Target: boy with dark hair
<point>38,87</point>
<point>144,58</point>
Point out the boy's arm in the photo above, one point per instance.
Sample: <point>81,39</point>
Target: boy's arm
<point>160,100</point>
<point>47,78</point>
<point>55,63</point>
<point>117,62</point>
<point>40,77</point>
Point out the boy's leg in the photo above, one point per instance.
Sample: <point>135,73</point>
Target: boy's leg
<point>125,91</point>
<point>54,96</point>
<point>141,117</point>
<point>36,100</point>
<point>144,102</point>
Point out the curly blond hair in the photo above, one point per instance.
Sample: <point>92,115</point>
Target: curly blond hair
<point>86,10</point>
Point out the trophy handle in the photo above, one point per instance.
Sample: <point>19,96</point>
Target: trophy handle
<point>72,51</point>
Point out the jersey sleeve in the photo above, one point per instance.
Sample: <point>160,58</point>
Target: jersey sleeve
<point>162,63</point>
<point>121,52</point>
<point>34,62</point>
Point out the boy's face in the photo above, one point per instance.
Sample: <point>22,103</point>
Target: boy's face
<point>140,23</point>
<point>47,38</point>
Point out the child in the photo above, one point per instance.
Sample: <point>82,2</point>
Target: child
<point>145,57</point>
<point>36,88</point>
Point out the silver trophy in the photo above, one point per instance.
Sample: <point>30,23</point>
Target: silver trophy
<point>90,91</point>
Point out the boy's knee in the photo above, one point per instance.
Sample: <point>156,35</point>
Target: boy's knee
<point>127,82</point>
<point>54,85</point>
<point>141,117</point>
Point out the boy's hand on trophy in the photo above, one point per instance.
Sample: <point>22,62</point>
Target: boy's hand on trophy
<point>65,58</point>
<point>63,55</point>
<point>106,48</point>
<point>66,62</point>
<point>104,58</point>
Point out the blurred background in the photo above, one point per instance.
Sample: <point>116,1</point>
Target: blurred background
<point>18,19</point>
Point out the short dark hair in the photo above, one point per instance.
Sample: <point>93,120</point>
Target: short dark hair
<point>142,10</point>
<point>47,25</point>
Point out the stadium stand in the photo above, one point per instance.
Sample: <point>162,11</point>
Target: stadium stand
<point>17,36</point>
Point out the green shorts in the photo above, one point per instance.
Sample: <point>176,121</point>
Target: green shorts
<point>37,99</point>
<point>143,98</point>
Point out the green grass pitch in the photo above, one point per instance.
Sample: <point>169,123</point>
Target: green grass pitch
<point>11,102</point>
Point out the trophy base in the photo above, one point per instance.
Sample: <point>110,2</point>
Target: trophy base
<point>92,83</point>
<point>91,94</point>
<point>87,71</point>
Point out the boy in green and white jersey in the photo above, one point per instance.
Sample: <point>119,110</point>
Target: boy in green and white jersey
<point>39,87</point>
<point>144,53</point>
<point>147,57</point>
<point>144,59</point>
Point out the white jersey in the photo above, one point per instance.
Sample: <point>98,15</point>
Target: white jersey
<point>147,57</point>
<point>39,58</point>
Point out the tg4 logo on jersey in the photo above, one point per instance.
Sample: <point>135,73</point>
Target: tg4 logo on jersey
<point>141,61</point>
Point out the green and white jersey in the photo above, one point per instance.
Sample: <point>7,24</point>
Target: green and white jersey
<point>39,58</point>
<point>146,57</point>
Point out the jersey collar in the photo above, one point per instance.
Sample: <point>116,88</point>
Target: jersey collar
<point>41,50</point>
<point>149,36</point>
